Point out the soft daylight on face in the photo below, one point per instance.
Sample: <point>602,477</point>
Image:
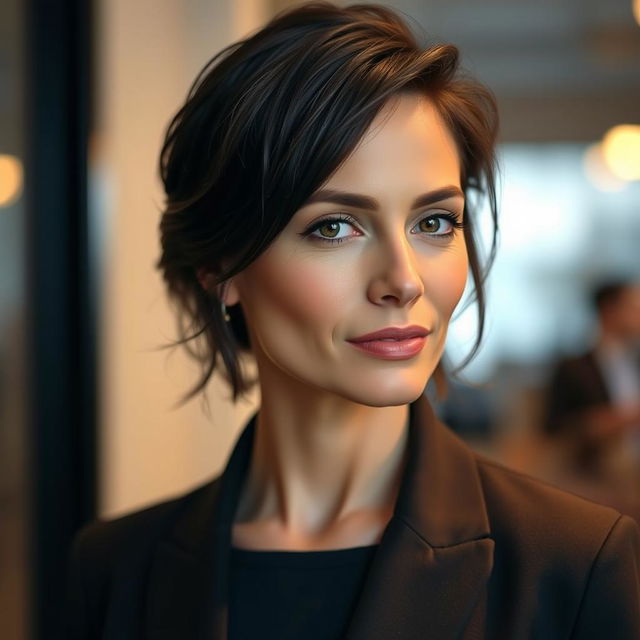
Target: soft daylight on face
<point>306,297</point>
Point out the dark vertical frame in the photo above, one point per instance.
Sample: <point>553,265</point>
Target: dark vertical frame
<point>60,297</point>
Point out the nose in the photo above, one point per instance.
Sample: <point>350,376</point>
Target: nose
<point>396,278</point>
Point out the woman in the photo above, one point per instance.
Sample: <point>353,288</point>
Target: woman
<point>320,180</point>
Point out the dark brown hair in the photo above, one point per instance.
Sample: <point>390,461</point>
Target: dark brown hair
<point>265,124</point>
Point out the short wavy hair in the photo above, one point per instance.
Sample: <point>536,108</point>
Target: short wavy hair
<point>265,124</point>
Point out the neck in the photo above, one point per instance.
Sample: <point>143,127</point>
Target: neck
<point>322,464</point>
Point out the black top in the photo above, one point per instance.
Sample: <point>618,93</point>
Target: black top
<point>283,595</point>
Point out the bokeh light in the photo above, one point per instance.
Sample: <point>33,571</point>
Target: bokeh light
<point>621,151</point>
<point>10,179</point>
<point>598,171</point>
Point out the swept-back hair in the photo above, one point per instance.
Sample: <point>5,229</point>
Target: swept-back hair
<point>265,124</point>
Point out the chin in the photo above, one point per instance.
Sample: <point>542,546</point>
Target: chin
<point>389,394</point>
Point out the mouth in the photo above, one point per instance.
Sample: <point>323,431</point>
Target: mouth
<point>393,343</point>
<point>393,334</point>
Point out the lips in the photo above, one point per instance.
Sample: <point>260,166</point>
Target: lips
<point>393,333</point>
<point>392,343</point>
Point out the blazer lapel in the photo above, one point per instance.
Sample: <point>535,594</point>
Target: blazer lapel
<point>188,582</point>
<point>428,574</point>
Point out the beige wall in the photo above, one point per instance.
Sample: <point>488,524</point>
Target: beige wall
<point>148,54</point>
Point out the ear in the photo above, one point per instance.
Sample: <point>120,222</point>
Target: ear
<point>230,292</point>
<point>206,279</point>
<point>227,291</point>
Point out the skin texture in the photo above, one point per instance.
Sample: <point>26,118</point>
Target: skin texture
<point>332,427</point>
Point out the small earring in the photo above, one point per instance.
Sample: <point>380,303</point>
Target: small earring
<point>225,315</point>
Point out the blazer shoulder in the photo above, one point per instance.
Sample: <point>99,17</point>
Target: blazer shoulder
<point>109,560</point>
<point>105,542</point>
<point>561,547</point>
<point>538,515</point>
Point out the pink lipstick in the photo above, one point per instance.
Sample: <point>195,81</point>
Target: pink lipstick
<point>393,343</point>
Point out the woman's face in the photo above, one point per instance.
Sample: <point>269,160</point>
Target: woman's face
<point>385,256</point>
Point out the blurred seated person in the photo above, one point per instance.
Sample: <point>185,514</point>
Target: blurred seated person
<point>593,399</point>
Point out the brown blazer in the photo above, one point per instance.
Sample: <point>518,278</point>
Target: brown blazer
<point>473,550</point>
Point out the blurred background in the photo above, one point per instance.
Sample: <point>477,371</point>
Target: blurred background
<point>87,423</point>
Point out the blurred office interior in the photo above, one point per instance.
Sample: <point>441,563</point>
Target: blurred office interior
<point>87,420</point>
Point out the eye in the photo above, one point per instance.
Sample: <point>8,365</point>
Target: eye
<point>330,229</point>
<point>441,225</point>
<point>335,229</point>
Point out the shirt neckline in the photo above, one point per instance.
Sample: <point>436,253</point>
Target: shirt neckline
<point>315,558</point>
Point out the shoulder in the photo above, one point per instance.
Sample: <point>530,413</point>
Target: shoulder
<point>109,561</point>
<point>542,514</point>
<point>563,546</point>
<point>139,525</point>
<point>122,547</point>
<point>509,491</point>
<point>553,547</point>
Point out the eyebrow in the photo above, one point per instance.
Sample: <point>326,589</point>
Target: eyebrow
<point>359,201</point>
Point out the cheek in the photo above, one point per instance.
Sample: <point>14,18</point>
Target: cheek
<point>445,280</point>
<point>304,293</point>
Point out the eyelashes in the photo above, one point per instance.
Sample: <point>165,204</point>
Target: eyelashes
<point>450,219</point>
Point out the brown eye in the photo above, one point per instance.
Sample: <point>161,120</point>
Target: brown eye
<point>430,225</point>
<point>331,228</point>
<point>440,226</point>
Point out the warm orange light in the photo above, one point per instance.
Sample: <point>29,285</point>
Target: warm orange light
<point>621,151</point>
<point>10,179</point>
<point>636,10</point>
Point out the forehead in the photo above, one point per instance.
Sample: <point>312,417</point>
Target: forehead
<point>407,145</point>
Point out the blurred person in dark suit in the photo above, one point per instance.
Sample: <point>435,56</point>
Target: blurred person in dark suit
<point>593,399</point>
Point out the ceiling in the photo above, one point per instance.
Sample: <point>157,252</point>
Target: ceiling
<point>562,70</point>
